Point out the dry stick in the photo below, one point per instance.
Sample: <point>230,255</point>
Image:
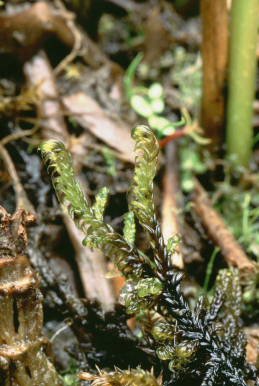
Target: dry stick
<point>219,232</point>
<point>215,55</point>
<point>92,265</point>
<point>172,201</point>
<point>22,201</point>
<point>18,135</point>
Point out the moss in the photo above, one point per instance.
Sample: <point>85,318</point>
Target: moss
<point>188,342</point>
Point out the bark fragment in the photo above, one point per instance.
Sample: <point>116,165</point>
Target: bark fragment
<point>215,56</point>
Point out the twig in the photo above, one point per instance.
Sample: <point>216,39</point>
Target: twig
<point>22,201</point>
<point>219,232</point>
<point>18,135</point>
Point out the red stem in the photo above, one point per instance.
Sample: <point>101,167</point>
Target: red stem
<point>172,137</point>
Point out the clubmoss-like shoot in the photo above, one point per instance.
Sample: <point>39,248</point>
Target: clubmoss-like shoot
<point>129,230</point>
<point>149,286</point>
<point>187,340</point>
<point>134,377</point>
<point>87,218</point>
<point>163,331</point>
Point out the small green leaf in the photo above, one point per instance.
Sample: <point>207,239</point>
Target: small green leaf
<point>110,161</point>
<point>157,105</point>
<point>129,229</point>
<point>187,182</point>
<point>155,91</point>
<point>165,352</point>
<point>101,203</point>
<point>149,286</point>
<point>70,380</point>
<point>173,243</point>
<point>141,105</point>
<point>163,331</point>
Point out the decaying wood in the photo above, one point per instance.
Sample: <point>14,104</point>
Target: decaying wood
<point>219,232</point>
<point>23,361</point>
<point>215,56</point>
<point>172,201</point>
<point>23,34</point>
<point>92,265</point>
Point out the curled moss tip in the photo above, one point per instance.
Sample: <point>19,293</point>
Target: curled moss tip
<point>51,145</point>
<point>88,219</point>
<point>146,140</point>
<point>147,150</point>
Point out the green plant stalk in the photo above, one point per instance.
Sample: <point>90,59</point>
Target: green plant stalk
<point>209,270</point>
<point>130,74</point>
<point>242,75</point>
<point>245,218</point>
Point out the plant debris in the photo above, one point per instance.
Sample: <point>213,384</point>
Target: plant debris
<point>165,289</point>
<point>22,346</point>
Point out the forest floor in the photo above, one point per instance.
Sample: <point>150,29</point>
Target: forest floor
<point>77,76</point>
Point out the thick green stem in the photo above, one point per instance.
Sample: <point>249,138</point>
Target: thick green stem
<point>242,75</point>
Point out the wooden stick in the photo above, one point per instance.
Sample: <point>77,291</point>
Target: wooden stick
<point>22,201</point>
<point>219,232</point>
